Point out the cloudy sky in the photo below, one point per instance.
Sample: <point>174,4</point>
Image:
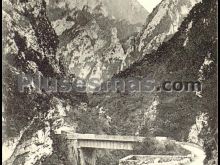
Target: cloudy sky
<point>149,4</point>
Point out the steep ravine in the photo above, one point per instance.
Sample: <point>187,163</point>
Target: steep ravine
<point>190,55</point>
<point>97,47</point>
<point>88,47</point>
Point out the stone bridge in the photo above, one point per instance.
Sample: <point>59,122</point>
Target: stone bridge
<point>82,147</point>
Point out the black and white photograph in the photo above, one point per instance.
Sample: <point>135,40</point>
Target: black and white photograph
<point>109,82</point>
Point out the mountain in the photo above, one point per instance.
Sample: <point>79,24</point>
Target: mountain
<point>90,39</point>
<point>82,43</point>
<point>31,117</point>
<point>160,26</point>
<point>93,46</point>
<point>129,10</point>
<point>163,22</point>
<point>91,49</point>
<point>189,56</point>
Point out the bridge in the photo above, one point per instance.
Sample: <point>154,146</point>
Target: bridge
<point>82,147</point>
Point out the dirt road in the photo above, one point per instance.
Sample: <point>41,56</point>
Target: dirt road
<point>198,152</point>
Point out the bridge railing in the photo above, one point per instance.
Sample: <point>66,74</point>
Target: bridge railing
<point>77,136</point>
<point>155,159</point>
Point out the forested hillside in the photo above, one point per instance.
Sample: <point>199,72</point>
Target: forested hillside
<point>190,55</point>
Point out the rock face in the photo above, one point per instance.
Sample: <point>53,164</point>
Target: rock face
<point>129,10</point>
<point>160,26</point>
<point>190,55</point>
<point>163,22</point>
<point>63,41</point>
<point>91,35</point>
<point>92,51</point>
<point>93,46</point>
<point>32,117</point>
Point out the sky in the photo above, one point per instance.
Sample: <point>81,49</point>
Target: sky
<point>149,4</point>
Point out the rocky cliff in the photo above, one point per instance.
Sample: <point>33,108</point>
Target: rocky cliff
<point>190,55</point>
<point>33,116</point>
<point>84,43</point>
<point>97,47</point>
<point>129,10</point>
<point>160,26</point>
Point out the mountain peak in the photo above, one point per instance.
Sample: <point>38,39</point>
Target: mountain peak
<point>129,10</point>
<point>163,22</point>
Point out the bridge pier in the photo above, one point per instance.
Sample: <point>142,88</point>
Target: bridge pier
<point>73,154</point>
<point>80,156</point>
<point>87,156</point>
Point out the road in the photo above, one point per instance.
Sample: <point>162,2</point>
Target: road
<point>198,152</point>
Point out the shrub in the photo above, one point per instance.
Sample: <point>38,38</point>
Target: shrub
<point>151,146</point>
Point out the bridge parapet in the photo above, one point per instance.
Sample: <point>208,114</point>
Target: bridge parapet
<point>76,136</point>
<point>155,160</point>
